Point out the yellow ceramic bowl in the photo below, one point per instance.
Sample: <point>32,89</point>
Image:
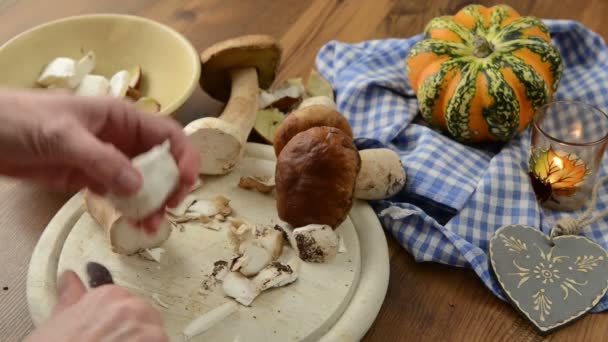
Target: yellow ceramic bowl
<point>170,64</point>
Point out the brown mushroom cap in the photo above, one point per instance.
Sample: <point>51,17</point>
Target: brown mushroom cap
<point>315,177</point>
<point>305,118</point>
<point>257,51</point>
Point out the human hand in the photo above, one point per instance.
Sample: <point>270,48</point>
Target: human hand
<point>70,142</point>
<point>108,313</point>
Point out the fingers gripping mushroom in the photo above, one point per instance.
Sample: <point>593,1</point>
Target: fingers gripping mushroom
<point>319,169</point>
<point>233,70</point>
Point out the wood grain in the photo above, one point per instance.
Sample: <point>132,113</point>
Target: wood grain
<point>424,301</point>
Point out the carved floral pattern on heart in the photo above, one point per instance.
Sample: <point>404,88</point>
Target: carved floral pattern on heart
<point>551,285</point>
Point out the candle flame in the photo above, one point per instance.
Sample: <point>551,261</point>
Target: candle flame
<point>578,130</point>
<point>558,162</point>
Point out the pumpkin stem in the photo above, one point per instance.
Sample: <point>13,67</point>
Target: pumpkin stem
<point>481,47</point>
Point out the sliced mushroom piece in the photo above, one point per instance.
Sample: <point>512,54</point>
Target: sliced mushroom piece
<point>232,70</point>
<point>160,178</point>
<point>318,101</point>
<point>341,245</point>
<point>85,66</point>
<point>261,184</point>
<point>59,73</point>
<point>124,237</point>
<point>181,209</point>
<point>238,233</point>
<point>93,85</point>
<point>284,98</point>
<point>208,320</point>
<point>240,288</point>
<point>253,258</point>
<point>119,83</point>
<point>211,207</point>
<point>382,175</point>
<point>279,273</point>
<point>316,243</point>
<point>135,77</point>
<point>134,94</point>
<point>153,254</point>
<point>220,270</point>
<point>257,250</point>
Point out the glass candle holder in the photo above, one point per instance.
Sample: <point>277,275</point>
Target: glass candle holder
<point>567,145</point>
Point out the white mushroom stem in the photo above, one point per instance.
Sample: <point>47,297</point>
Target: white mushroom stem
<point>381,175</point>
<point>221,141</point>
<point>124,237</point>
<point>256,247</point>
<point>209,319</point>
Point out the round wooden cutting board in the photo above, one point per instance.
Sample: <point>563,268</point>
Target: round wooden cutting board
<point>335,301</point>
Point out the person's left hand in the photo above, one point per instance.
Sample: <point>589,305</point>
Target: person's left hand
<point>70,142</point>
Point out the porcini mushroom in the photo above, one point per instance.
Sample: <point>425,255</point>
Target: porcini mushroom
<point>233,70</point>
<point>315,177</point>
<point>381,174</point>
<point>124,237</point>
<point>308,117</point>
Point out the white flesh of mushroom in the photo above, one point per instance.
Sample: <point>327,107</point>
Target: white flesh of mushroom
<point>59,73</point>
<point>341,245</point>
<point>153,254</point>
<point>292,90</point>
<point>280,273</point>
<point>240,288</point>
<point>260,247</point>
<point>209,319</point>
<point>160,177</point>
<point>183,206</point>
<point>318,101</point>
<point>316,243</point>
<point>119,83</point>
<point>93,85</point>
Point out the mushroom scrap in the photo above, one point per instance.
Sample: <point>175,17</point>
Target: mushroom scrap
<point>233,70</point>
<point>263,261</point>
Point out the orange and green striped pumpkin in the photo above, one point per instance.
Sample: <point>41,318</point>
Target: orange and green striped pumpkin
<point>480,75</point>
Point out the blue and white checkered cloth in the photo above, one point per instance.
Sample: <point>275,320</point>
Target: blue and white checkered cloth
<point>456,196</point>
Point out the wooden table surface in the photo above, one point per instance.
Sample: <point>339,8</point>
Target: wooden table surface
<point>424,301</point>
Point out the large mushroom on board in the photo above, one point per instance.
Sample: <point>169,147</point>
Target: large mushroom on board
<point>233,70</point>
<point>315,177</point>
<point>314,168</point>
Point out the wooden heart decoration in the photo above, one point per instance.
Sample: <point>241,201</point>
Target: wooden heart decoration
<point>551,285</point>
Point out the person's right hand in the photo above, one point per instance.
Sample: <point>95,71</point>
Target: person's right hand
<point>108,313</point>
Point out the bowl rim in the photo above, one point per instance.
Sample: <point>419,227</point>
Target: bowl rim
<point>166,110</point>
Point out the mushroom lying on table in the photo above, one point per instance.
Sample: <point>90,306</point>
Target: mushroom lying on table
<point>233,70</point>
